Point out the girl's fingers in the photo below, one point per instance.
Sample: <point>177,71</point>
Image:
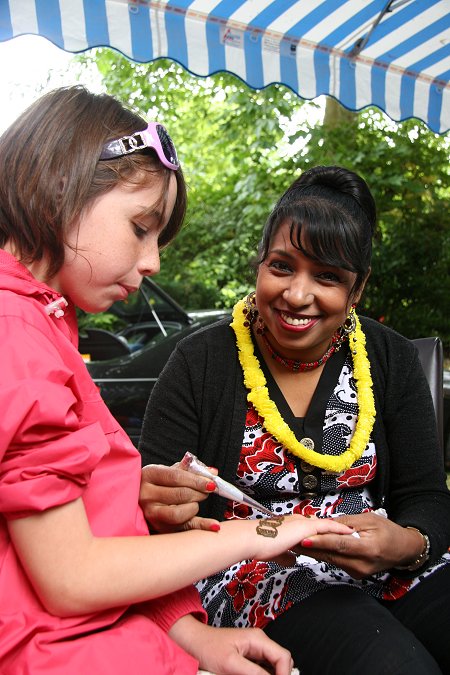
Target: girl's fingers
<point>331,526</point>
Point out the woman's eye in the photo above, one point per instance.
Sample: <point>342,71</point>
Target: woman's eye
<point>329,276</point>
<point>280,266</point>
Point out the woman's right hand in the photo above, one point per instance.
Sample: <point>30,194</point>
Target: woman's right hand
<point>170,496</point>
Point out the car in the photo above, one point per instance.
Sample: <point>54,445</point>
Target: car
<point>125,362</point>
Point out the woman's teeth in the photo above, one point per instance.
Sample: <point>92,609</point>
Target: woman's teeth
<point>294,322</point>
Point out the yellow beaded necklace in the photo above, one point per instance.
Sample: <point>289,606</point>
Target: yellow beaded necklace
<point>258,395</point>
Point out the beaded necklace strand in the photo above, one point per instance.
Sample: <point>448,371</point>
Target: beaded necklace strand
<point>295,365</point>
<point>258,395</point>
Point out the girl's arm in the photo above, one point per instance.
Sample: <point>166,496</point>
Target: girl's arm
<point>74,572</point>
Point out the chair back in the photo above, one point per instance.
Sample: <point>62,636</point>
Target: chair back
<point>432,360</point>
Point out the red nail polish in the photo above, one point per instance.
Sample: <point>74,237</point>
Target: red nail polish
<point>215,527</point>
<point>307,542</point>
<point>211,486</point>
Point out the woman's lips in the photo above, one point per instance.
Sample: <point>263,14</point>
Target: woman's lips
<point>292,322</point>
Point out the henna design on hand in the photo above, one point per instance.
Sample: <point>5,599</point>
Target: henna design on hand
<point>268,527</point>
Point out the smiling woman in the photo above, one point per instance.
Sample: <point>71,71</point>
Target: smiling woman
<point>311,408</point>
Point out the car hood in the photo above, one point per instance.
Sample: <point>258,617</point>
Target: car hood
<point>200,314</point>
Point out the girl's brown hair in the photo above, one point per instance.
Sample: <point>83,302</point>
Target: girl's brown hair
<point>50,170</point>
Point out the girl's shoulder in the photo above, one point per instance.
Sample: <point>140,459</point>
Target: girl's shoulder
<point>23,308</point>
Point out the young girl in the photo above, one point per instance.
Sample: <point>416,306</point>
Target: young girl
<point>89,193</point>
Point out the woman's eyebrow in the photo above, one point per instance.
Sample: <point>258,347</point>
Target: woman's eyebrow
<point>281,252</point>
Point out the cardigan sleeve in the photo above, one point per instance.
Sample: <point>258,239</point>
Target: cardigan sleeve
<point>198,405</point>
<point>171,423</point>
<point>413,472</point>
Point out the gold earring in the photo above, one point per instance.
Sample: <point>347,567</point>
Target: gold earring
<point>349,324</point>
<point>252,314</point>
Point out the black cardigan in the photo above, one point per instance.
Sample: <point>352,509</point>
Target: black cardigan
<point>199,405</point>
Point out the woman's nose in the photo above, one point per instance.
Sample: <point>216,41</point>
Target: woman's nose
<point>149,262</point>
<point>299,293</point>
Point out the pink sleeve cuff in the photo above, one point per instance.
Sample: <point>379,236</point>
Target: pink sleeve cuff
<point>166,610</point>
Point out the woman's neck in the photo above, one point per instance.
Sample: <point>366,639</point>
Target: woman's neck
<point>297,397</point>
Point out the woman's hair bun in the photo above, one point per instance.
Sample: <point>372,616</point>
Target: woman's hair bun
<point>336,182</point>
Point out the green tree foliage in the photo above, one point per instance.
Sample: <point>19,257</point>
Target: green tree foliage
<point>241,148</point>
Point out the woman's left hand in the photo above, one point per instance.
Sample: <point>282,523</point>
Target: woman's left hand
<point>381,545</point>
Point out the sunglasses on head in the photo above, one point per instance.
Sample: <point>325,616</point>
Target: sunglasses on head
<point>154,136</point>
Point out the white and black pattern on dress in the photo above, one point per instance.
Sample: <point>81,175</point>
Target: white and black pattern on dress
<point>251,593</point>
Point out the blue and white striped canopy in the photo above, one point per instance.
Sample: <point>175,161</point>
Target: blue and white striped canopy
<point>395,55</point>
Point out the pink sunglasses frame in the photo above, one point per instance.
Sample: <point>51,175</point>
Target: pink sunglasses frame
<point>155,136</point>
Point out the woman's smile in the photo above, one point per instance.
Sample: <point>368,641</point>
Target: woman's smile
<point>291,321</point>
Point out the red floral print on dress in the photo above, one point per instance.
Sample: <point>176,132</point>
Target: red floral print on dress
<point>305,508</point>
<point>281,604</point>
<point>235,510</point>
<point>396,588</point>
<point>358,475</point>
<point>265,450</point>
<point>252,417</point>
<point>259,615</point>
<point>243,586</point>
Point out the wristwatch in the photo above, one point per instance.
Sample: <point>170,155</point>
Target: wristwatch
<point>423,557</point>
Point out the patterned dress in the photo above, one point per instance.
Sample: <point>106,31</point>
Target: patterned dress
<point>251,593</point>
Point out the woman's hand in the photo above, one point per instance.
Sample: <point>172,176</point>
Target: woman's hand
<point>170,496</point>
<point>381,545</point>
<point>231,651</point>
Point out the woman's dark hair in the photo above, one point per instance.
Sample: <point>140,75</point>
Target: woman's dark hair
<point>50,170</point>
<point>332,218</point>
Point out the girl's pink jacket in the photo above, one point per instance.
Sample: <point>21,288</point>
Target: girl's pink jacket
<point>59,442</point>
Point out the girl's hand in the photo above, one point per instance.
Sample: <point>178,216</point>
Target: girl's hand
<point>169,498</point>
<point>381,545</point>
<point>231,651</point>
<point>278,535</point>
